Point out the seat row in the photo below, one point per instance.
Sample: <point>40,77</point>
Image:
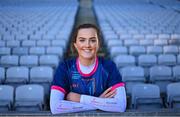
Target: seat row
<point>29,97</point>
<point>23,74</point>
<point>160,75</point>
<point>146,60</point>
<point>139,50</point>
<point>54,50</point>
<point>147,97</point>
<point>34,43</point>
<point>29,60</point>
<point>144,96</point>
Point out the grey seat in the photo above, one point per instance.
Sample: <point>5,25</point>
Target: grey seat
<point>20,51</point>
<point>137,50</point>
<point>9,60</point>
<point>167,59</point>
<point>146,97</point>
<point>146,42</point>
<point>170,49</point>
<point>6,98</point>
<point>124,60</point>
<point>162,76</point>
<point>49,60</point>
<point>28,43</point>
<point>147,60</point>
<point>2,43</point>
<point>41,74</point>
<point>178,59</point>
<point>37,50</point>
<point>132,75</point>
<point>29,98</point>
<point>5,51</point>
<point>29,60</point>
<point>55,50</point>
<point>13,43</point>
<point>176,72</point>
<point>61,43</point>
<point>173,95</point>
<point>2,74</point>
<point>43,43</point>
<point>160,42</point>
<point>131,42</point>
<point>154,50</point>
<point>118,50</point>
<point>19,74</point>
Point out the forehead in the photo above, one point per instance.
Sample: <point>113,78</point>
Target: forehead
<point>86,32</point>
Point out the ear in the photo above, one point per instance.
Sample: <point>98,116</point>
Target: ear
<point>75,45</point>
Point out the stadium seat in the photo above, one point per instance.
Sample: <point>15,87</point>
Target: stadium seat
<point>132,75</point>
<point>154,50</point>
<point>146,97</point>
<point>146,42</point>
<point>5,51</point>
<point>167,59</point>
<point>2,75</point>
<point>124,60</point>
<point>28,43</point>
<point>137,50</point>
<point>6,98</point>
<point>160,42</point>
<point>29,98</point>
<point>170,49</point>
<point>17,75</point>
<point>176,73</point>
<point>147,60</point>
<point>55,50</point>
<point>178,59</point>
<point>37,50</point>
<point>162,76</point>
<point>49,60</point>
<point>117,50</point>
<point>2,44</point>
<point>41,74</point>
<point>43,43</point>
<point>60,43</point>
<point>20,51</point>
<point>13,43</point>
<point>131,42</point>
<point>173,95</point>
<point>29,60</point>
<point>9,60</point>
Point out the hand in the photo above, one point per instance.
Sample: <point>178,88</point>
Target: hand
<point>75,97</point>
<point>108,93</point>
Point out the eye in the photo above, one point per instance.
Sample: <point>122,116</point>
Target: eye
<point>93,40</point>
<point>81,40</point>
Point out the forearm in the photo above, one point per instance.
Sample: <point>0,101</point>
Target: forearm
<point>59,105</point>
<point>116,104</point>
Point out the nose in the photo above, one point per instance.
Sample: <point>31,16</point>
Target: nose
<point>87,43</point>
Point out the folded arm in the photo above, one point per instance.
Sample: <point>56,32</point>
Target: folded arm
<point>113,100</point>
<point>59,105</point>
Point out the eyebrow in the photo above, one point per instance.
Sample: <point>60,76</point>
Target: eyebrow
<point>85,38</point>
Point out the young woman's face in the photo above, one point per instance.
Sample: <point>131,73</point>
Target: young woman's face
<point>87,43</point>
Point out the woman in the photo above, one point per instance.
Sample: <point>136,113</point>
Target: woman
<point>87,82</point>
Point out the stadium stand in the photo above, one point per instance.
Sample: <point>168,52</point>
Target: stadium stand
<point>141,36</point>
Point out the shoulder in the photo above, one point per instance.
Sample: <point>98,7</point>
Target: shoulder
<point>106,63</point>
<point>67,62</point>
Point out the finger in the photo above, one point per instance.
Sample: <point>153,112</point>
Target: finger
<point>111,96</point>
<point>113,92</point>
<point>105,92</point>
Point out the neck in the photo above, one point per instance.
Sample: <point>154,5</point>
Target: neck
<point>87,62</point>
